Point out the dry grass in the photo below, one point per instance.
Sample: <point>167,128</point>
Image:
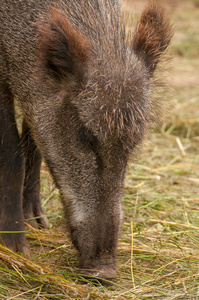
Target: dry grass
<point>159,247</point>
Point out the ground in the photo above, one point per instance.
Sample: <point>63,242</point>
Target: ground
<point>159,246</point>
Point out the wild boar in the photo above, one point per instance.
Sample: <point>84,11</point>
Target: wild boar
<point>84,85</point>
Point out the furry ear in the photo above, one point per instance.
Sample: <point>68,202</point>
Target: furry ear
<point>152,36</point>
<point>63,50</point>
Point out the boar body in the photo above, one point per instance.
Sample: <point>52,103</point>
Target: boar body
<point>84,86</point>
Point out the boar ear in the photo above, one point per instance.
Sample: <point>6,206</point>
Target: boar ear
<point>63,51</point>
<point>152,35</point>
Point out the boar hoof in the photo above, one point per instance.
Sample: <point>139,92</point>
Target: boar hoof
<point>36,217</point>
<point>101,272</point>
<point>15,242</point>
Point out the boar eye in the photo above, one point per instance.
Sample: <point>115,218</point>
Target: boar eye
<point>88,139</point>
<point>90,142</point>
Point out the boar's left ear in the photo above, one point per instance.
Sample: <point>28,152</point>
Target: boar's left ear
<point>152,36</point>
<point>63,50</point>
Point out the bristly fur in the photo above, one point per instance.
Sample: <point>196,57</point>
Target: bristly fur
<point>116,98</point>
<point>153,35</point>
<point>85,88</point>
<point>62,49</point>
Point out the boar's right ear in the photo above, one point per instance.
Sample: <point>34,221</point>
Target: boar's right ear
<point>152,36</point>
<point>63,51</point>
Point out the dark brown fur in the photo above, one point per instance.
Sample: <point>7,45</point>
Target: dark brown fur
<point>85,88</point>
<point>57,37</point>
<point>152,35</point>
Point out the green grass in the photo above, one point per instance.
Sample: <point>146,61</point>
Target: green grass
<point>160,203</point>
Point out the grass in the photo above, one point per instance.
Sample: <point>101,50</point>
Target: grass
<point>159,246</point>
